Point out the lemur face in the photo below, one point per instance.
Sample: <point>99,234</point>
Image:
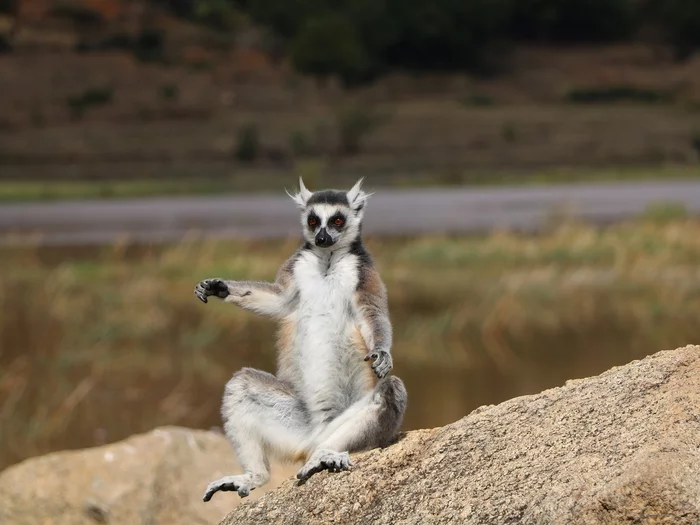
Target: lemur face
<point>326,216</point>
<point>331,218</point>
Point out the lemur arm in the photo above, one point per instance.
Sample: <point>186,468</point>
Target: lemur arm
<point>374,321</point>
<point>269,299</point>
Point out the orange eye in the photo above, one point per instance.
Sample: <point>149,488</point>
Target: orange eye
<point>338,222</point>
<point>312,221</point>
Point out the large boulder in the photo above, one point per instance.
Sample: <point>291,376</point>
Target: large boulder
<point>154,478</point>
<point>622,447</point>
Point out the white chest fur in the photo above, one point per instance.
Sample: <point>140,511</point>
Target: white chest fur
<point>326,284</point>
<point>326,321</point>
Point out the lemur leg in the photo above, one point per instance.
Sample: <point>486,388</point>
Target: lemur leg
<point>371,422</point>
<point>262,417</point>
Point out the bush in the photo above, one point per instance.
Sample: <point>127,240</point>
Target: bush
<point>617,94</point>
<point>150,46</point>
<point>354,124</point>
<point>478,100</point>
<point>78,104</point>
<point>300,144</point>
<point>330,45</point>
<point>81,15</point>
<point>223,15</point>
<point>169,92</point>
<point>362,38</point>
<point>680,21</point>
<point>695,141</point>
<point>285,17</point>
<point>573,20</point>
<point>248,147</point>
<point>219,14</point>
<point>446,34</point>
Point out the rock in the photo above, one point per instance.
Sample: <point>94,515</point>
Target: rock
<point>153,478</point>
<point>622,447</point>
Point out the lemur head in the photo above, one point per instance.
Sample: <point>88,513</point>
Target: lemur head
<point>331,218</point>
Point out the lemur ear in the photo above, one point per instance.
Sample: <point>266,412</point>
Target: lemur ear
<point>356,197</point>
<point>302,197</point>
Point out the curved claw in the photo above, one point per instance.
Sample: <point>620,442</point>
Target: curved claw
<point>200,295</point>
<point>382,363</point>
<point>325,460</point>
<point>228,484</point>
<point>211,287</point>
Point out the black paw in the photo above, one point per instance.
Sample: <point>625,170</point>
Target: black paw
<point>211,287</point>
<point>327,460</point>
<point>238,484</point>
<point>382,363</point>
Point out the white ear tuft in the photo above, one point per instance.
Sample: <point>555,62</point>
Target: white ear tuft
<point>356,197</point>
<point>302,197</point>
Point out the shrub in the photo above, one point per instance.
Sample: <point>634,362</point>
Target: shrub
<point>219,14</point>
<point>248,147</point>
<point>223,15</point>
<point>81,15</point>
<point>695,141</point>
<point>620,93</point>
<point>169,92</point>
<point>330,45</point>
<point>150,46</point>
<point>680,21</point>
<point>446,34</point>
<point>509,133</point>
<point>354,124</point>
<point>299,143</point>
<point>359,39</point>
<point>573,20</point>
<point>97,96</point>
<point>479,100</point>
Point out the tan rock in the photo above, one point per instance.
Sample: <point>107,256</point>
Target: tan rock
<point>622,447</point>
<point>154,478</point>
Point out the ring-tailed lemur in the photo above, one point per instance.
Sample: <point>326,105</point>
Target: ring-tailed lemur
<point>332,393</point>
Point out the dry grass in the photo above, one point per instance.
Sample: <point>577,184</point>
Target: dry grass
<point>162,121</point>
<point>99,346</point>
<point>442,137</point>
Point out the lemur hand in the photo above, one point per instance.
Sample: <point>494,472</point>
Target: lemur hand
<point>382,364</point>
<point>211,287</point>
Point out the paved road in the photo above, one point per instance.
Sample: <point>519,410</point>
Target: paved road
<point>414,211</point>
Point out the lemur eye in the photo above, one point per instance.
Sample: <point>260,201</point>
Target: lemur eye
<point>313,221</point>
<point>338,221</point>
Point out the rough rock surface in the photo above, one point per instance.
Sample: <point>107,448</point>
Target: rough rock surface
<point>154,478</point>
<point>622,447</point>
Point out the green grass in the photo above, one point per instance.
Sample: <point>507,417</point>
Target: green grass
<point>32,191</point>
<point>89,334</point>
<point>256,181</point>
<point>565,175</point>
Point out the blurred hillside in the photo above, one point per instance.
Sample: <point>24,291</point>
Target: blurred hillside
<point>178,88</point>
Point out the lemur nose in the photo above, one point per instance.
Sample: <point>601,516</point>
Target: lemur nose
<point>323,239</point>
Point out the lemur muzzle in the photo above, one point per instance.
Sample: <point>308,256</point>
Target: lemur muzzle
<point>323,239</point>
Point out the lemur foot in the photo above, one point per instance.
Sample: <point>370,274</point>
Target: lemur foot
<point>324,460</point>
<point>382,364</point>
<point>211,287</point>
<point>241,484</point>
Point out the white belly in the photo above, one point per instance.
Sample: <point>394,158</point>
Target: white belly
<point>333,372</point>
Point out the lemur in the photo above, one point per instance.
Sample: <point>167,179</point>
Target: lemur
<point>332,393</point>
